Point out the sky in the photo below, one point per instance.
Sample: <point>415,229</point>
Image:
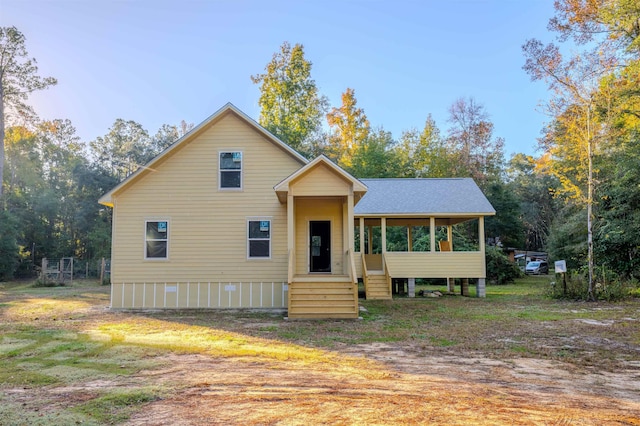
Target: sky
<point>158,62</point>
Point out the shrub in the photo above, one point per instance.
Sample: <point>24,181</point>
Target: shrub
<point>575,288</point>
<point>47,282</point>
<point>500,270</point>
<point>8,245</point>
<point>607,287</point>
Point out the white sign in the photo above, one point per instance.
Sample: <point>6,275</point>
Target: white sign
<point>171,289</point>
<point>230,287</point>
<point>561,266</point>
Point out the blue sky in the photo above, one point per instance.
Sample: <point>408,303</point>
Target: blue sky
<point>158,62</point>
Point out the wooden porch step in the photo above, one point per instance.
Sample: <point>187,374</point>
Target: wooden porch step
<point>315,298</point>
<point>321,278</point>
<point>377,287</point>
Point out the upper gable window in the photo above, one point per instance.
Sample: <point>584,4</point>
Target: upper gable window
<point>230,170</point>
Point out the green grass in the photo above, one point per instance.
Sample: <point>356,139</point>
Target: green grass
<point>54,337</point>
<point>38,357</point>
<point>117,406</point>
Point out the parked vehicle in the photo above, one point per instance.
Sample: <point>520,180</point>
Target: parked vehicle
<point>537,267</point>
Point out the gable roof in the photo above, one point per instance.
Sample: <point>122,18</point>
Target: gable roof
<point>282,188</point>
<point>106,199</point>
<point>451,197</point>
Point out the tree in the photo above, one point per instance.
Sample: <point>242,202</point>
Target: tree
<point>291,107</point>
<point>506,226</point>
<point>375,157</point>
<point>8,245</point>
<point>124,149</point>
<point>167,135</point>
<point>350,128</point>
<point>618,232</point>
<point>18,78</point>
<point>425,154</point>
<point>574,83</point>
<point>480,155</point>
<point>535,191</point>
<point>612,25</point>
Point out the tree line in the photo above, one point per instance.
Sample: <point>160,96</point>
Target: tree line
<point>578,198</point>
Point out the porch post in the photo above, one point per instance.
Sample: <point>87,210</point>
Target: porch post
<point>370,239</point>
<point>480,286</point>
<point>383,233</point>
<point>291,231</point>
<point>432,231</point>
<point>450,236</point>
<point>362,248</point>
<point>409,238</point>
<point>349,234</point>
<point>481,234</point>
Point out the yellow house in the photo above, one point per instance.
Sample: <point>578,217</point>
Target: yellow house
<point>231,217</point>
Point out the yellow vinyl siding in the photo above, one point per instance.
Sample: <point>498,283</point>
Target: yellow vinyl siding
<point>208,227</point>
<point>309,209</point>
<point>320,181</point>
<point>435,265</point>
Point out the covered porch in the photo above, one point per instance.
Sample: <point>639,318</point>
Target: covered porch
<point>408,248</point>
<point>420,228</point>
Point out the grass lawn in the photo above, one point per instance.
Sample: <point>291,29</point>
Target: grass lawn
<point>67,359</point>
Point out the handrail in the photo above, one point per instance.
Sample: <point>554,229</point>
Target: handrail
<point>365,271</point>
<point>352,267</point>
<point>386,271</point>
<point>290,267</point>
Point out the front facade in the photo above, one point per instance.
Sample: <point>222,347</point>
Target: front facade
<point>231,217</point>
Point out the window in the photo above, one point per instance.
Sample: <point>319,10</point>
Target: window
<point>156,239</point>
<point>230,170</point>
<point>259,239</point>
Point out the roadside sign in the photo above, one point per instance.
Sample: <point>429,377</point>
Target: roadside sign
<point>561,266</point>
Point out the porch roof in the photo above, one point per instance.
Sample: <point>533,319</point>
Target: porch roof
<point>423,197</point>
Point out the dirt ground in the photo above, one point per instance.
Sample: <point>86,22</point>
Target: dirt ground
<point>378,384</point>
<point>417,390</point>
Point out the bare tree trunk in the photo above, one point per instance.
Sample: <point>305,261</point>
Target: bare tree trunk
<point>2,145</point>
<point>591,295</point>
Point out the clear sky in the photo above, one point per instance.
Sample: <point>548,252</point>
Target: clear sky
<point>159,62</point>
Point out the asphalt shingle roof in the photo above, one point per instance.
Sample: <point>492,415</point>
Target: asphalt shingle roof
<point>423,196</point>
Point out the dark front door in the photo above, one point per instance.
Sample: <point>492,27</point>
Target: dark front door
<point>320,246</point>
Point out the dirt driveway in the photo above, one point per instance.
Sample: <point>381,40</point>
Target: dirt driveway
<point>406,390</point>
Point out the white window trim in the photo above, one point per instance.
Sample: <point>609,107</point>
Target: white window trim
<point>270,239</point>
<point>144,238</point>
<point>231,150</point>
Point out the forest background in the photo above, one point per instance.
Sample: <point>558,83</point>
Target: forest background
<point>578,199</point>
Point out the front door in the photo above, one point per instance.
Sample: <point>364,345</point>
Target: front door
<point>320,246</point>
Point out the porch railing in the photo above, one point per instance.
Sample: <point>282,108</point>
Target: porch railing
<point>459,264</point>
<point>290,270</point>
<point>352,267</point>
